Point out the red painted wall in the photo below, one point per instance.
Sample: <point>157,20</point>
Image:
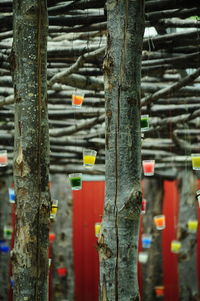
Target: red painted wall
<point>170,210</point>
<point>88,208</point>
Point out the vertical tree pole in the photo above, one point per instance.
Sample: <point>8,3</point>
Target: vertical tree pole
<point>118,242</point>
<point>152,273</point>
<point>188,286</point>
<point>31,150</point>
<point>63,287</point>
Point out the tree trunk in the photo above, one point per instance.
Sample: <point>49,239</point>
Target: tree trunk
<point>152,274</point>
<point>31,150</point>
<point>187,261</point>
<point>118,241</point>
<point>5,219</point>
<point>63,287</point>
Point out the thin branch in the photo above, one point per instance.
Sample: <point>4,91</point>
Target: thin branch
<point>79,63</point>
<point>170,90</point>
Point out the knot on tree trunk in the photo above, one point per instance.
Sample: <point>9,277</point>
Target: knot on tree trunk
<point>104,251</point>
<point>132,207</point>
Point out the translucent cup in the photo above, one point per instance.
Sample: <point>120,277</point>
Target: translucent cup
<point>97,227</point>
<point>175,246</point>
<point>62,272</point>
<point>148,167</point>
<point>198,196</point>
<point>159,221</point>
<point>89,158</point>
<point>143,257</point>
<point>54,209</point>
<point>51,237</point>
<point>159,290</point>
<point>144,123</point>
<point>7,232</point>
<point>11,193</point>
<point>3,158</point>
<point>192,226</point>
<point>195,161</point>
<point>77,99</point>
<point>146,241</point>
<point>144,205</point>
<point>75,181</point>
<point>50,262</point>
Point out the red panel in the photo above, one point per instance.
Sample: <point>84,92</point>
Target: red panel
<point>170,210</point>
<point>88,208</point>
<point>198,241</point>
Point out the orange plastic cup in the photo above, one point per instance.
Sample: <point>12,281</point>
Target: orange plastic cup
<point>159,221</point>
<point>77,100</point>
<point>159,290</point>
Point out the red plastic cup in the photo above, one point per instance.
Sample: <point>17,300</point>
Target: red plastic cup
<point>148,167</point>
<point>51,237</point>
<point>144,205</point>
<point>159,290</point>
<point>62,272</point>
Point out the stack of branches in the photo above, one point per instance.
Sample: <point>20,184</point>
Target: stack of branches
<point>76,46</point>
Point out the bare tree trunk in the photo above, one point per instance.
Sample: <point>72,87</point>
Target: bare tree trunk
<point>152,274</point>
<point>118,241</point>
<point>187,266</point>
<point>63,287</point>
<point>5,219</point>
<point>31,150</point>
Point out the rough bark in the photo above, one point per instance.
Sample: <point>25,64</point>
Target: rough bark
<point>122,69</point>
<point>31,150</point>
<point>187,268</point>
<point>63,287</point>
<point>152,274</point>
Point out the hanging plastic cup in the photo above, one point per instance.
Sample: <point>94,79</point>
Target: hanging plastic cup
<point>3,158</point>
<point>159,290</point>
<point>11,193</point>
<point>97,227</point>
<point>146,241</point>
<point>49,261</point>
<point>54,209</point>
<point>148,167</point>
<point>89,158</point>
<point>144,123</point>
<point>4,248</point>
<point>192,226</point>
<point>195,161</point>
<point>62,272</point>
<point>198,196</point>
<point>144,205</point>
<point>7,232</point>
<point>175,246</point>
<point>12,283</point>
<point>159,221</point>
<point>52,236</point>
<point>75,181</point>
<point>77,99</point>
<point>143,257</point>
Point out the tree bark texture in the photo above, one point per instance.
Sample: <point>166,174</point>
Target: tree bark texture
<point>118,242</point>
<point>31,150</point>
<point>5,219</point>
<point>152,274</point>
<point>187,268</point>
<point>63,287</point>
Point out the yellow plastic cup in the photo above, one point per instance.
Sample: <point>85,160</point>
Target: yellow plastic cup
<point>175,246</point>
<point>195,161</point>
<point>89,158</point>
<point>192,226</point>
